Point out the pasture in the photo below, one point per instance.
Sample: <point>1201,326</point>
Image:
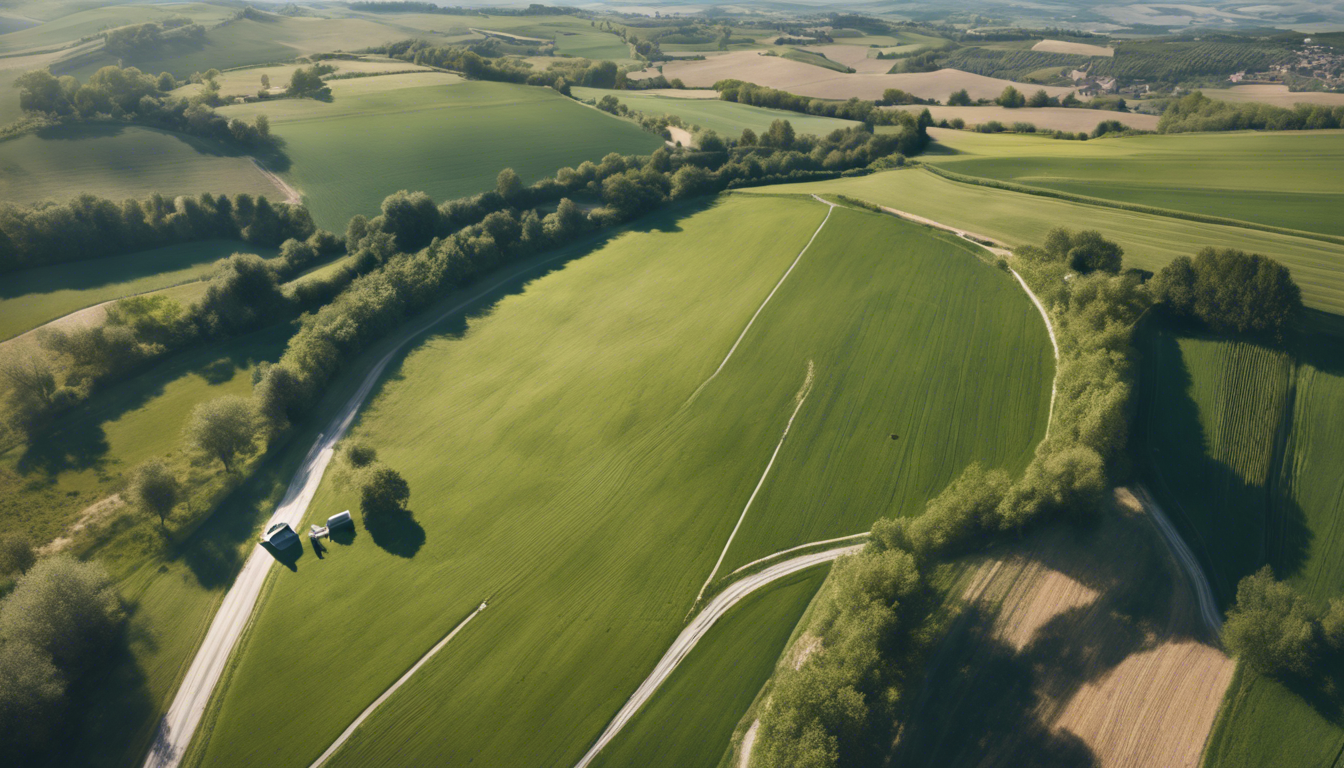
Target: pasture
<point>728,118</point>
<point>1241,445</point>
<point>1150,241</point>
<point>32,297</point>
<point>119,161</point>
<point>446,140</point>
<point>598,553</point>
<point>807,80</point>
<point>1281,179</point>
<point>94,18</point>
<point>247,81</point>
<point>1274,95</point>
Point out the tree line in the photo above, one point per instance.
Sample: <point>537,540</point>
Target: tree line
<point>1197,112</point>
<point>853,109</point>
<point>90,227</point>
<point>842,706</point>
<point>1230,291</point>
<point>129,95</point>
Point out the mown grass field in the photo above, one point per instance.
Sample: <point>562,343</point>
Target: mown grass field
<point>117,162</point>
<point>1242,445</point>
<point>1286,179</point>
<point>446,140</point>
<point>591,497</point>
<point>728,118</point>
<point>689,721</point>
<point>1150,241</point>
<point>68,27</point>
<point>32,297</point>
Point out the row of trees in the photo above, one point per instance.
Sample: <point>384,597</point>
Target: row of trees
<point>853,109</point>
<point>1197,112</point>
<point>243,294</point>
<point>62,618</point>
<point>129,95</point>
<point>90,227</point>
<point>560,75</point>
<point>143,40</point>
<point>1230,291</point>
<point>842,705</point>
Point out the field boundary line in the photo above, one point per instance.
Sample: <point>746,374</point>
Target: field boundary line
<point>184,713</point>
<point>335,745</point>
<point>830,209</point>
<point>691,635</point>
<point>801,397</point>
<point>1169,213</point>
<point>758,561</point>
<point>291,194</point>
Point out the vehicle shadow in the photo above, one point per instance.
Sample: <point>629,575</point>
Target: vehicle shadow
<point>289,556</point>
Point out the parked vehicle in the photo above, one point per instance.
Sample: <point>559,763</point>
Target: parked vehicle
<point>280,536</point>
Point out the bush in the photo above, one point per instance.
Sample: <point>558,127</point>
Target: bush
<point>1270,627</point>
<point>360,454</point>
<point>155,489</point>
<point>383,493</point>
<point>16,554</point>
<point>1230,291</point>
<point>224,428</point>
<point>66,609</point>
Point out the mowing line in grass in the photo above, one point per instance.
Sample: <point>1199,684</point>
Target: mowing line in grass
<point>362,715</point>
<point>769,296</point>
<point>801,397</point>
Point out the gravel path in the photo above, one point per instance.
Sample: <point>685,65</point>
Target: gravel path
<point>1208,608</point>
<point>691,635</point>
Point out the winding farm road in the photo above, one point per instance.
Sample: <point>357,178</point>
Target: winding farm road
<point>1208,608</point>
<point>691,635</point>
<point>184,714</point>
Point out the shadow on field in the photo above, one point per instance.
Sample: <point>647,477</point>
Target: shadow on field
<point>987,702</point>
<point>397,534</point>
<point>1234,524</point>
<point>274,157</point>
<point>77,440</point>
<point>289,556</point>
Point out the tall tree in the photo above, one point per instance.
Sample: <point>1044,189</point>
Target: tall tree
<point>155,489</point>
<point>224,428</point>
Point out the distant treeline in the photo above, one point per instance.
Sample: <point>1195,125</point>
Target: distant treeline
<point>90,227</point>
<point>535,9</point>
<point>1197,112</point>
<point>113,93</point>
<point>561,75</point>
<point>139,40</point>
<point>843,705</point>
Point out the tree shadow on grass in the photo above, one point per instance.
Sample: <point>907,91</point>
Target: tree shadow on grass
<point>1233,525</point>
<point>273,155</point>
<point>397,534</point>
<point>77,440</point>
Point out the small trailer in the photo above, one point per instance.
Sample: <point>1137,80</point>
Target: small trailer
<point>335,521</point>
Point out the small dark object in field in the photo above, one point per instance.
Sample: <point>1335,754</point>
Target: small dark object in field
<point>895,436</point>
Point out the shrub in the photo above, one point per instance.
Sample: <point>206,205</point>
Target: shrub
<point>1230,291</point>
<point>384,493</point>
<point>1270,626</point>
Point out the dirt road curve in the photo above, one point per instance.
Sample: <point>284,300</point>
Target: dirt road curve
<point>691,635</point>
<point>1208,608</point>
<point>184,714</point>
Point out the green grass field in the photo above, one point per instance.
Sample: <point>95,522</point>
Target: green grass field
<point>598,553</point>
<point>117,162</point>
<point>728,118</point>
<point>73,26</point>
<point>688,722</point>
<point>1288,179</point>
<point>446,140</point>
<point>1241,444</point>
<point>1150,241</point>
<point>36,296</point>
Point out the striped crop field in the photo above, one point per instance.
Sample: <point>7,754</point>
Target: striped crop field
<point>1284,179</point>
<point>574,457</point>
<point>1150,241</point>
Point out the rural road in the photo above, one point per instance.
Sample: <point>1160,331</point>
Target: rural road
<point>1208,608</point>
<point>691,635</point>
<point>184,714</point>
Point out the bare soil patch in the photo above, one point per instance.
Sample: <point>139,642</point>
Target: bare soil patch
<point>807,80</point>
<point>1078,49</point>
<point>1077,646</point>
<point>853,56</point>
<point>94,513</point>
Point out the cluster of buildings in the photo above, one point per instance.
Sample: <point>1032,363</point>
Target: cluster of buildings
<point>1089,86</point>
<point>1312,61</point>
